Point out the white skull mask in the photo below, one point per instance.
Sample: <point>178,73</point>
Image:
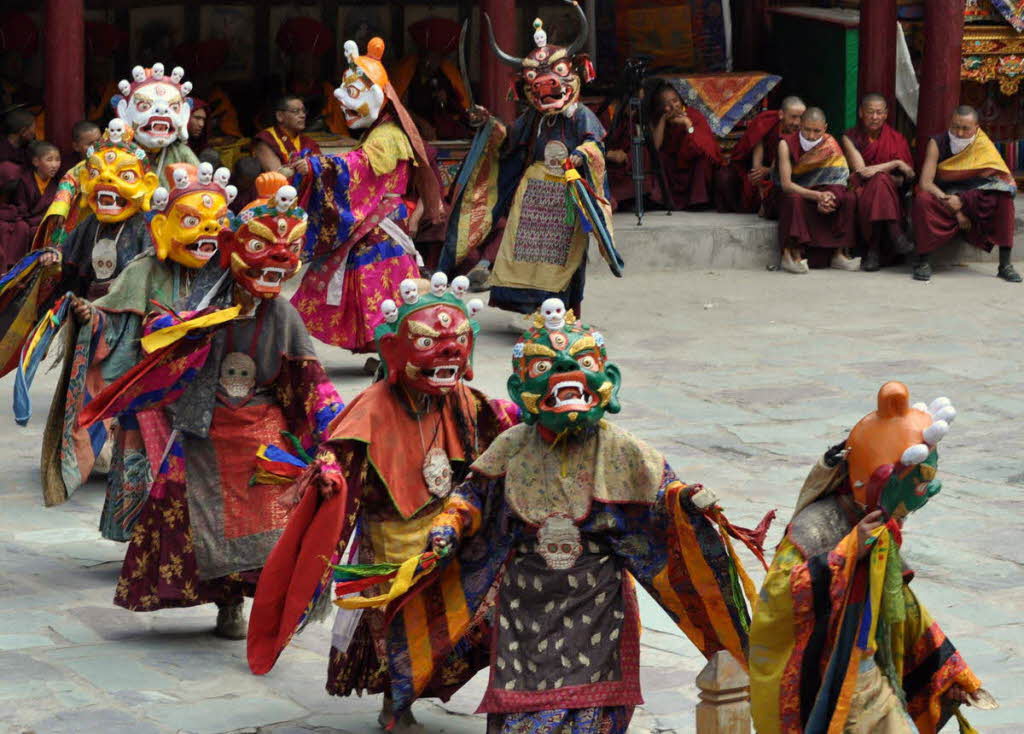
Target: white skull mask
<point>555,154</point>
<point>158,113</point>
<point>104,259</point>
<point>238,375</point>
<point>558,542</point>
<point>553,311</point>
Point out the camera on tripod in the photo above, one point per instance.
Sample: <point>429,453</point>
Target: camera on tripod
<point>634,73</point>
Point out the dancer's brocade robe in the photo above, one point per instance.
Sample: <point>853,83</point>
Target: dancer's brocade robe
<point>212,518</point>
<point>96,354</point>
<point>807,662</point>
<point>566,641</point>
<point>357,243</point>
<point>369,473</point>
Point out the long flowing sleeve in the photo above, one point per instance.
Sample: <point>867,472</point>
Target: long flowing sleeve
<point>676,552</point>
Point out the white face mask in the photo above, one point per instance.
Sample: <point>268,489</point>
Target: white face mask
<point>806,144</point>
<point>958,145</point>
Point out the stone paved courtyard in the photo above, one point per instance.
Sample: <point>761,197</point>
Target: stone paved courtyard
<point>741,377</point>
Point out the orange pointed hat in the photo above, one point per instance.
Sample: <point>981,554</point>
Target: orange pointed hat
<point>370,63</point>
<point>895,432</point>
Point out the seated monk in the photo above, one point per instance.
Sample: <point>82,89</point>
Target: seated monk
<point>880,160</point>
<point>688,153</point>
<point>745,185</point>
<point>965,186</point>
<point>278,146</point>
<point>816,209</point>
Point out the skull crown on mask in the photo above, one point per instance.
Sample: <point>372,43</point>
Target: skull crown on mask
<point>262,247</point>
<point>116,181</point>
<point>561,376</point>
<point>155,105</point>
<point>189,219</point>
<point>892,453</point>
<point>550,82</point>
<point>427,344</point>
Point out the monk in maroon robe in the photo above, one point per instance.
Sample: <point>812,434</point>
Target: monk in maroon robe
<point>14,232</point>
<point>745,184</point>
<point>278,146</point>
<point>966,187</point>
<point>817,212</point>
<point>879,159</point>
<point>687,149</point>
<point>38,184</point>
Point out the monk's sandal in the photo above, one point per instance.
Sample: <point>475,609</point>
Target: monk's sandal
<point>922,269</point>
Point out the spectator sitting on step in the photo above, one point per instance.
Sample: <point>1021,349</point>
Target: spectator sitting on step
<point>966,187</point>
<point>19,131</point>
<point>687,149</point>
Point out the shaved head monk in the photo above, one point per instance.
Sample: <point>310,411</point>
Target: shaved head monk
<point>745,185</point>
<point>880,162</point>
<point>965,187</point>
<point>816,209</point>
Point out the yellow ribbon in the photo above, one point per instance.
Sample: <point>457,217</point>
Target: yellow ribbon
<point>165,337</point>
<point>404,579</point>
<point>571,174</point>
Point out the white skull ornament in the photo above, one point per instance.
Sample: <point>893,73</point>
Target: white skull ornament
<point>437,472</point>
<point>390,311</point>
<point>104,259</point>
<point>438,284</point>
<point>238,375</point>
<point>409,290</point>
<point>555,153</point>
<point>116,130</point>
<point>474,306</point>
<point>558,542</point>
<point>460,285</point>
<point>553,311</point>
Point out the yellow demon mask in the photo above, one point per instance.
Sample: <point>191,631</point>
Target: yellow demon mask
<point>116,181</point>
<point>190,217</point>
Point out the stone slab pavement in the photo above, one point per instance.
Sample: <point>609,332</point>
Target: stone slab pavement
<point>741,377</point>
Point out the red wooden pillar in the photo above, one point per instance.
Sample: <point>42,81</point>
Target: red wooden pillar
<point>940,83</point>
<point>878,49</point>
<point>494,75</point>
<point>64,93</point>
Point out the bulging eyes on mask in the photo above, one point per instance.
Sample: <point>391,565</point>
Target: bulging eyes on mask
<point>360,103</point>
<point>431,350</point>
<point>561,376</point>
<point>158,113</point>
<point>115,184</point>
<point>188,233</point>
<point>264,252</point>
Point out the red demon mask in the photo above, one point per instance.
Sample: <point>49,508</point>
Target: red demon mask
<point>263,248</point>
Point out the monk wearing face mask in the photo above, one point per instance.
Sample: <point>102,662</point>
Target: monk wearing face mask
<point>966,187</point>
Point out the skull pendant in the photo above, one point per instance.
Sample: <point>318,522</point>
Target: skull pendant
<point>437,472</point>
<point>104,259</point>
<point>238,375</point>
<point>558,542</point>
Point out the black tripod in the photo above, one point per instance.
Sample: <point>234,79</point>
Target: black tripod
<point>631,115</point>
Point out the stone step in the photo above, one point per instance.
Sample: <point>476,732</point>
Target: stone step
<point>703,240</point>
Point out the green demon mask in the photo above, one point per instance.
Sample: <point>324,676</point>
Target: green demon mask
<point>561,376</point>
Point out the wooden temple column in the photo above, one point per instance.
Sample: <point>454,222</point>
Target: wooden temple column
<point>878,49</point>
<point>64,93</point>
<point>940,82</point>
<point>494,75</point>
